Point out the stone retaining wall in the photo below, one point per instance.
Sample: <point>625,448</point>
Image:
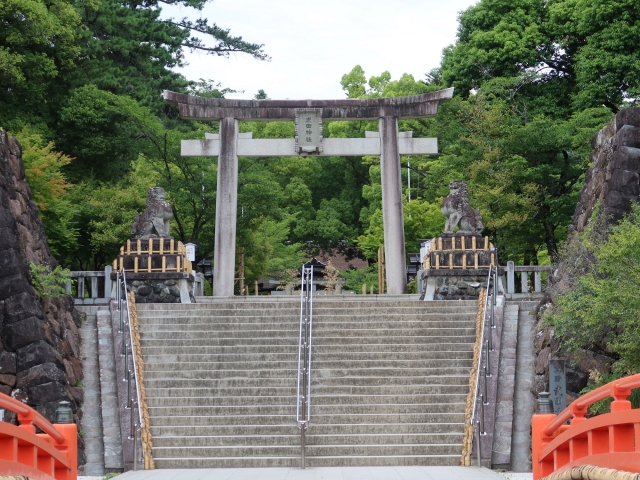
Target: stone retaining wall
<point>40,345</point>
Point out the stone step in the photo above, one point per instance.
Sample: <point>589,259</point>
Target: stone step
<point>191,358</point>
<point>319,375</point>
<point>318,410</point>
<point>291,362</point>
<point>311,461</point>
<point>317,419</point>
<point>431,341</point>
<point>291,429</point>
<point>219,382</point>
<point>462,379</point>
<point>311,439</point>
<point>312,450</point>
<point>317,400</point>
<point>318,333</point>
<point>252,391</point>
<point>216,341</point>
<point>417,380</point>
<point>294,313</point>
<point>186,375</point>
<point>332,322</point>
<point>331,350</point>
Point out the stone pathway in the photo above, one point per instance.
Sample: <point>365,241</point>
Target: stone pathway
<point>523,402</point>
<point>110,412</point>
<point>320,473</point>
<point>91,422</point>
<point>501,454</point>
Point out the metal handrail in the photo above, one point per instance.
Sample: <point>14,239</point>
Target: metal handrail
<point>131,403</point>
<point>303,402</point>
<point>480,357</point>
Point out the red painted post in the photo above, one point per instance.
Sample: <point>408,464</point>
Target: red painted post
<point>538,441</point>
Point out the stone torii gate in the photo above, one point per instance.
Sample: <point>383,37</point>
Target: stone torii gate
<point>308,115</point>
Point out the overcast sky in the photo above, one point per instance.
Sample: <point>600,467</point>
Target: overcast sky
<point>313,43</point>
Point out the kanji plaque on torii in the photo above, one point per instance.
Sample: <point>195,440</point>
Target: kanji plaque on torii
<point>387,142</point>
<point>308,130</point>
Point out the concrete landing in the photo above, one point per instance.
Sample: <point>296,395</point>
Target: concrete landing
<point>319,473</point>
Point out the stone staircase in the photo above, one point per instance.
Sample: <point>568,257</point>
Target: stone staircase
<point>389,381</point>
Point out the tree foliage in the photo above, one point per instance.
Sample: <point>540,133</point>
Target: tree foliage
<point>601,310</point>
<point>80,84</point>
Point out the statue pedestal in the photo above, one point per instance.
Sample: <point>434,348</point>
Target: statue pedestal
<point>157,270</point>
<point>456,266</point>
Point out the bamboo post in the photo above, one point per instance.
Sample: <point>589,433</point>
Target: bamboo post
<point>379,269</point>
<point>150,246</point>
<point>149,264</point>
<point>451,260</point>
<point>371,289</point>
<point>128,247</point>
<point>164,264</point>
<point>241,269</point>
<point>462,242</point>
<point>171,246</point>
<point>475,261</point>
<point>364,288</point>
<point>464,259</point>
<point>255,287</point>
<point>473,243</point>
<point>177,263</point>
<point>135,264</point>
<point>162,246</point>
<point>139,246</point>
<point>486,243</point>
<point>246,290</point>
<point>437,261</point>
<point>440,243</point>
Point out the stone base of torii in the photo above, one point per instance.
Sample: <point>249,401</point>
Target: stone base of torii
<point>308,114</point>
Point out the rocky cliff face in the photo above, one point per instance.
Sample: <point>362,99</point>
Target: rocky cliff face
<point>39,338</point>
<point>614,176</point>
<point>613,180</point>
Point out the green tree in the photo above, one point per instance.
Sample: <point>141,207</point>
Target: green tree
<point>51,191</point>
<point>601,310</point>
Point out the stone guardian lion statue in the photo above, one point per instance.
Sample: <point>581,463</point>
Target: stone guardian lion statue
<point>154,221</point>
<point>458,211</point>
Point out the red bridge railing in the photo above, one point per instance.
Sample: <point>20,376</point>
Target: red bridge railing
<point>611,440</point>
<point>44,456</point>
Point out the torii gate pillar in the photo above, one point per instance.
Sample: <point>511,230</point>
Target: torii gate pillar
<point>392,210</point>
<point>226,210</point>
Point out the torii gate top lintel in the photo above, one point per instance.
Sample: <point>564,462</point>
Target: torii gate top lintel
<point>204,108</point>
